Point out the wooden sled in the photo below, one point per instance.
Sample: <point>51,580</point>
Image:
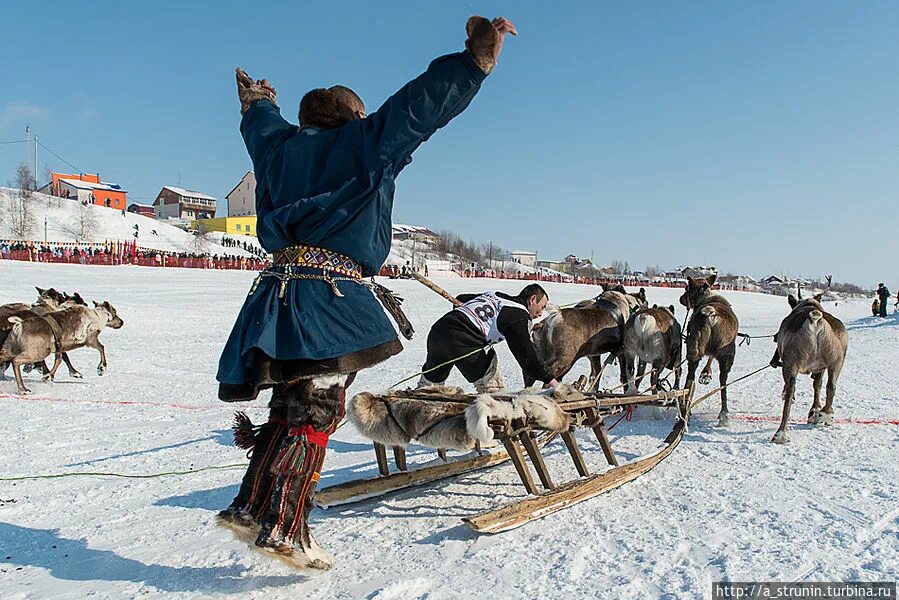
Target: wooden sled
<point>519,438</point>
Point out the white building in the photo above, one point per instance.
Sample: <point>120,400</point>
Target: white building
<point>177,203</point>
<point>242,199</point>
<point>523,257</point>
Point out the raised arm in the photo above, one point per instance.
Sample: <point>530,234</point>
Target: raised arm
<point>431,100</point>
<point>262,121</point>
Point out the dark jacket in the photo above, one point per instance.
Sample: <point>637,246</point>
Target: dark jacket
<point>334,189</point>
<point>513,324</point>
<point>884,293</point>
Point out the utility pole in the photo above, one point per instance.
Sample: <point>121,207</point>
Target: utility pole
<point>34,174</point>
<point>27,144</point>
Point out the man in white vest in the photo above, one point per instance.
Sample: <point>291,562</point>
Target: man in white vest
<point>463,338</point>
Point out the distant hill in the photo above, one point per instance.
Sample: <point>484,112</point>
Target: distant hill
<point>69,221</point>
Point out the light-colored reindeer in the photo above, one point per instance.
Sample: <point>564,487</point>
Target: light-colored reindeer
<point>810,341</point>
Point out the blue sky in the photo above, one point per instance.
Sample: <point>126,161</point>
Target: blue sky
<point>757,136</point>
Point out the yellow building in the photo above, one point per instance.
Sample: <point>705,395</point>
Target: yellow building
<point>228,225</point>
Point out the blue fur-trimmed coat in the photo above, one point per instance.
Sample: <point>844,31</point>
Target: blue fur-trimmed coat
<point>334,189</point>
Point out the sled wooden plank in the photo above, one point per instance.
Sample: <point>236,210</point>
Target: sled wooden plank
<point>381,456</point>
<point>579,463</point>
<point>399,457</point>
<point>524,473</point>
<point>536,459</point>
<point>605,444</point>
<point>354,491</point>
<point>524,511</point>
<point>603,438</point>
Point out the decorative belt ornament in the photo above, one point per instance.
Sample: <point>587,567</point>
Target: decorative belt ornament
<point>295,262</point>
<point>313,257</point>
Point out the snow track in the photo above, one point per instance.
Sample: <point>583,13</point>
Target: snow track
<point>727,504</point>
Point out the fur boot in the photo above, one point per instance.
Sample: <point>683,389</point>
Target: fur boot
<point>285,531</point>
<point>425,382</point>
<point>492,381</point>
<point>251,503</point>
<point>314,408</point>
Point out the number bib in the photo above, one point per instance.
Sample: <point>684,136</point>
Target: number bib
<point>483,311</point>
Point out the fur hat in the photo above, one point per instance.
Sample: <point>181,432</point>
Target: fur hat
<point>329,108</point>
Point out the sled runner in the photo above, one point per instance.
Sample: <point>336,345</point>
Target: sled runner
<point>523,423</point>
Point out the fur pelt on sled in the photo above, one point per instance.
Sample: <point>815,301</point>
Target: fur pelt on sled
<point>441,423</point>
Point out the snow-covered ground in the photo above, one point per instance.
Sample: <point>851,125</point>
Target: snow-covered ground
<point>727,504</point>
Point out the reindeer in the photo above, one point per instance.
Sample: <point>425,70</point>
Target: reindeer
<point>48,301</point>
<point>711,332</point>
<point>591,328</point>
<point>809,341</point>
<point>32,340</point>
<point>652,336</point>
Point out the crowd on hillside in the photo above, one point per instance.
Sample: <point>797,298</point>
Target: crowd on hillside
<point>116,253</point>
<point>228,242</point>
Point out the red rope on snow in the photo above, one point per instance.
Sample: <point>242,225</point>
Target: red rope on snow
<point>118,402</point>
<point>775,419</point>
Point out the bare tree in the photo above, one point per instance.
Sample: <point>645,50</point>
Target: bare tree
<point>17,212</point>
<point>25,180</point>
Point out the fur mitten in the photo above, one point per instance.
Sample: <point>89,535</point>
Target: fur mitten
<point>249,92</point>
<point>484,42</point>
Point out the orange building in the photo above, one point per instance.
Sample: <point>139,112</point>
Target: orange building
<point>86,187</point>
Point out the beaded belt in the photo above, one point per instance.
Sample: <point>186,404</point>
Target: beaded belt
<point>313,257</point>
<point>294,262</point>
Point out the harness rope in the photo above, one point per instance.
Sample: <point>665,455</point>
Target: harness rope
<point>123,475</point>
<point>443,364</point>
<point>746,337</point>
<point>729,383</point>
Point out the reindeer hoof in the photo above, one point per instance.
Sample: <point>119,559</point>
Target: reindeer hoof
<point>705,378</point>
<point>825,419</point>
<point>47,378</point>
<point>780,438</point>
<point>77,375</point>
<point>101,370</point>
<point>27,368</point>
<point>724,420</point>
<point>24,392</point>
<point>814,417</point>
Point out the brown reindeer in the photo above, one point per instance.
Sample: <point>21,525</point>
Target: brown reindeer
<point>652,336</point>
<point>592,328</point>
<point>32,340</point>
<point>809,341</point>
<point>48,301</point>
<point>711,332</point>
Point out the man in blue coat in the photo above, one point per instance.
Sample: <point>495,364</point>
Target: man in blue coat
<point>324,197</point>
